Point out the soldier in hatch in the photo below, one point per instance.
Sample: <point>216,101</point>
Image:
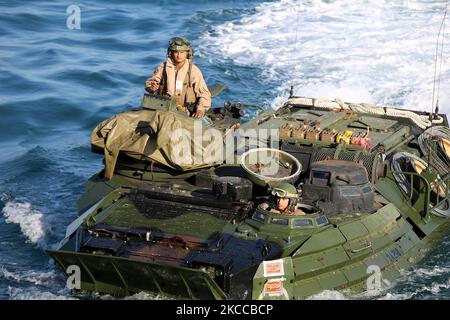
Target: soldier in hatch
<point>181,80</point>
<point>286,199</point>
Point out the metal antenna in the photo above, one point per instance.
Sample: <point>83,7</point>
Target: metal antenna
<point>441,29</point>
<point>434,113</point>
<point>291,93</point>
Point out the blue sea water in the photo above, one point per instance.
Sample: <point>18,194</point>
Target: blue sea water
<point>56,84</point>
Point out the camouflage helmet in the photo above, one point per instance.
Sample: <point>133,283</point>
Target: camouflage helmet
<point>285,190</point>
<point>179,44</point>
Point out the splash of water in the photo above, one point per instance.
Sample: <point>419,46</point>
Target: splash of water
<point>31,221</point>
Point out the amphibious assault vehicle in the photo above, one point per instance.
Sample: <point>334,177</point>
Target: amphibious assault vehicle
<point>183,206</point>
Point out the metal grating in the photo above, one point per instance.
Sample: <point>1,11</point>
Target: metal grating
<point>323,154</point>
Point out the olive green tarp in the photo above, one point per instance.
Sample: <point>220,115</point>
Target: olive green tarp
<point>164,137</point>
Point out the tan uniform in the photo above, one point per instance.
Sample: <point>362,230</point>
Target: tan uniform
<point>176,84</point>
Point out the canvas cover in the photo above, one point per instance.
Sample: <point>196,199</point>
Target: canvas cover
<point>165,137</point>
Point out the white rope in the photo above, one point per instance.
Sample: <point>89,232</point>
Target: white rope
<point>440,163</point>
<point>422,121</point>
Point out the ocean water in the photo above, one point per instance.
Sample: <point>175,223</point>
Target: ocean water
<point>57,83</point>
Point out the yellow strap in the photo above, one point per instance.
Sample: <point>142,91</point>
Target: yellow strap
<point>445,144</point>
<point>418,166</point>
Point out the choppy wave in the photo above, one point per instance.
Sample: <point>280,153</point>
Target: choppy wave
<point>424,282</point>
<point>31,221</point>
<point>31,277</point>
<point>36,294</point>
<point>433,272</point>
<point>40,189</point>
<point>434,290</point>
<point>375,51</point>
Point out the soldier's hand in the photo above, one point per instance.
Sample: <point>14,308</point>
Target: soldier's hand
<point>200,113</point>
<point>153,85</point>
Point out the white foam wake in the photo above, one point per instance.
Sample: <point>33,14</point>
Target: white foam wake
<point>36,294</point>
<point>31,221</point>
<point>434,289</point>
<point>379,51</point>
<point>328,295</point>
<point>32,277</point>
<point>147,296</point>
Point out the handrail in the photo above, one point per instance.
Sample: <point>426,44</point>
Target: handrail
<point>410,189</point>
<point>445,180</point>
<point>367,246</point>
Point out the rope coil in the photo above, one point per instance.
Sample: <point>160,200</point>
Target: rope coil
<point>422,121</point>
<point>438,159</point>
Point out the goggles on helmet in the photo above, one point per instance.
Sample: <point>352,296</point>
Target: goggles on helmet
<point>279,193</point>
<point>282,193</point>
<point>179,44</point>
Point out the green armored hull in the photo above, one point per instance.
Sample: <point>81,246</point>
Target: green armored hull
<point>372,189</point>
